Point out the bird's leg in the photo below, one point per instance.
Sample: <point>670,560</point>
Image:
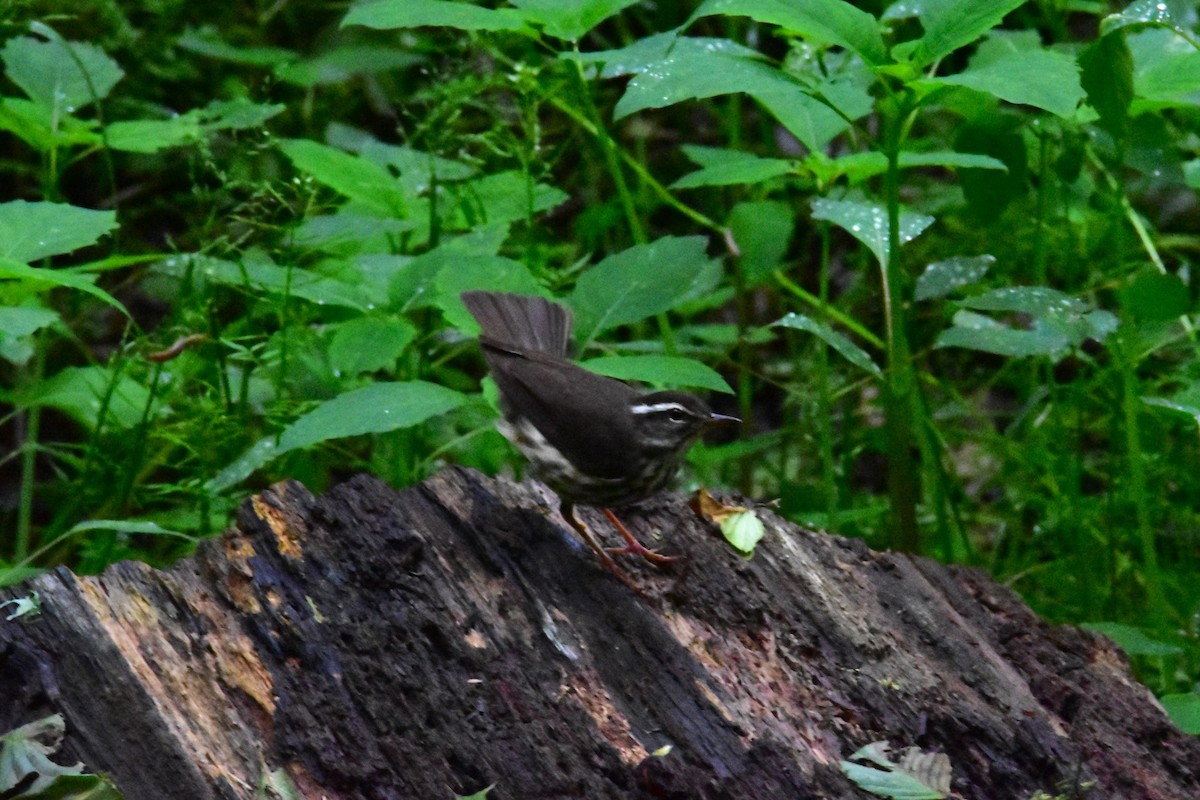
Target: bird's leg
<point>568,512</point>
<point>632,545</point>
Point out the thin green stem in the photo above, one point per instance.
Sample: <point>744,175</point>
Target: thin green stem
<point>800,293</point>
<point>825,398</point>
<point>29,451</point>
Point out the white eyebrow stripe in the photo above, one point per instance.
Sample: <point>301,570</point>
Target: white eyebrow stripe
<point>654,408</point>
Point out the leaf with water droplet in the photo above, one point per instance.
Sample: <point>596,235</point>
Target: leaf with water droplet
<point>848,349</point>
<point>1159,13</point>
<point>943,277</point>
<point>868,222</point>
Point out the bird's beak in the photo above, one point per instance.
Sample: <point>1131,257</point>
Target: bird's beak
<point>722,420</point>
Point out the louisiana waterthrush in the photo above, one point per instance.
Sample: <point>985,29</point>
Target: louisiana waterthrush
<point>592,439</point>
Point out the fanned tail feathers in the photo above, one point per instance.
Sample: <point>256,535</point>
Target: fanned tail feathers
<point>521,323</point>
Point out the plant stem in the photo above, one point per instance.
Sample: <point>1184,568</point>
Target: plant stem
<point>29,448</point>
<point>900,386</point>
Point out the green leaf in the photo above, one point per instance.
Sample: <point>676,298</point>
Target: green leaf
<point>1166,70</point>
<point>345,62</point>
<point>848,349</point>
<point>23,320</point>
<point>1035,76</point>
<point>80,391</point>
<point>208,42</point>
<point>377,408</point>
<point>763,231</point>
<point>23,753</point>
<point>696,69</point>
<point>1185,401</point>
<point>143,527</point>
<point>389,14</point>
<point>1038,301</point>
<point>38,277</point>
<point>822,22</point>
<point>743,530</point>
<point>480,795</point>
<point>949,25</point>
<point>30,231</point>
<point>152,135</point>
<point>569,19</point>
<point>59,74</point>
<point>1106,74</point>
<point>943,277</point>
<point>918,775</point>
<point>368,344</point>
<point>353,176</point>
<point>868,223</point>
<point>1133,640</point>
<point>503,197</point>
<point>1184,711</point>
<point>1155,297</point>
<point>857,167</point>
<point>490,273</point>
<point>644,280</point>
<point>977,332</point>
<point>750,170</point>
<point>660,370</point>
<point>1160,13</point>
<point>256,273</point>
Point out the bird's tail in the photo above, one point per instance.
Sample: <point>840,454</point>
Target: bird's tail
<point>521,323</point>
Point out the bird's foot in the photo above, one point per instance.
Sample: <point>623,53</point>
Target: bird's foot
<point>633,546</point>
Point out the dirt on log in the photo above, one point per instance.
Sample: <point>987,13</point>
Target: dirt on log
<point>375,643</point>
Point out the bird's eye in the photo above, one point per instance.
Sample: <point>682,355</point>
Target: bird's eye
<point>676,415</point>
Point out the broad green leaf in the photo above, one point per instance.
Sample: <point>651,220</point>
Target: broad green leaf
<point>1185,401</point>
<point>763,231</point>
<point>59,74</point>
<point>24,320</point>
<point>848,349</point>
<point>208,42</point>
<point>1184,711</point>
<point>345,62</point>
<point>569,19</point>
<point>943,277</point>
<point>1133,640</point>
<point>45,128</point>
<point>751,170</point>
<point>389,14</point>
<point>660,370</point>
<point>17,326</point>
<point>144,527</point>
<point>79,392</point>
<point>368,344</point>
<point>152,135</point>
<point>417,169</point>
<point>353,176</point>
<point>1160,13</point>
<point>30,231</point>
<point>257,273</point>
<point>868,223</point>
<point>346,233</point>
<point>502,197</point>
<point>1106,74</point>
<point>38,277</point>
<point>1155,297</point>
<point>917,776</point>
<point>648,52</point>
<point>490,273</point>
<point>1038,301</point>
<point>692,70</point>
<point>743,530</point>
<point>1052,334</point>
<point>822,22</point>
<point>949,25</point>
<point>376,408</point>
<point>1035,76</point>
<point>636,283</point>
<point>858,167</point>
<point>1166,70</point>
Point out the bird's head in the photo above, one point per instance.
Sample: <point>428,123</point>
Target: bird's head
<point>667,422</point>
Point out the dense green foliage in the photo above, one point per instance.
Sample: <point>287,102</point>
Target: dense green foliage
<point>940,251</point>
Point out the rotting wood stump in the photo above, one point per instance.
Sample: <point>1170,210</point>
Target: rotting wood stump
<point>376,643</point>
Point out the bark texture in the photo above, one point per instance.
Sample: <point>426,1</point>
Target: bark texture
<point>375,643</point>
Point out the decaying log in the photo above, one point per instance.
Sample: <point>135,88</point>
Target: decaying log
<point>375,643</point>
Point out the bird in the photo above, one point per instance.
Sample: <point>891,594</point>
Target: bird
<point>594,440</point>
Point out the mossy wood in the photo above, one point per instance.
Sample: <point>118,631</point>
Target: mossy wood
<point>374,643</point>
